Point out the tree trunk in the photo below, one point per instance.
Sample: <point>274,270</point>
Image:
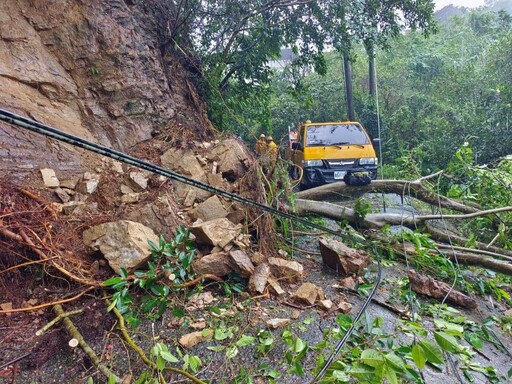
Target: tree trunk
<point>337,191</point>
<point>372,79</point>
<point>348,87</point>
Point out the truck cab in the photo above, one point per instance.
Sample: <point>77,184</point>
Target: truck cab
<point>326,152</point>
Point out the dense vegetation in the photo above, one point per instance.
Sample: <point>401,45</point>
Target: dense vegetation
<point>435,93</point>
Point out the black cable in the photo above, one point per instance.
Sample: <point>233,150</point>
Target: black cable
<point>361,312</point>
<point>34,126</point>
<point>54,133</point>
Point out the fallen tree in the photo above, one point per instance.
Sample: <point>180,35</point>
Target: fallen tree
<point>448,241</point>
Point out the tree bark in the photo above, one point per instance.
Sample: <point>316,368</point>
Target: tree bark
<point>415,189</point>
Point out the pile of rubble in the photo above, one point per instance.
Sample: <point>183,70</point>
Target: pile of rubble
<point>217,226</point>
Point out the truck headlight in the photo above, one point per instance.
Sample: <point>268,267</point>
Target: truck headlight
<point>312,163</point>
<point>368,161</point>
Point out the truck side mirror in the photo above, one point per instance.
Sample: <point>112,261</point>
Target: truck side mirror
<point>296,145</point>
<point>376,145</point>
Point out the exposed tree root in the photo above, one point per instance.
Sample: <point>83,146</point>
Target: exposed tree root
<point>142,355</point>
<point>53,303</point>
<point>75,333</point>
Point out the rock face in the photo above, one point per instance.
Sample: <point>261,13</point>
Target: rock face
<point>123,243</point>
<point>96,69</point>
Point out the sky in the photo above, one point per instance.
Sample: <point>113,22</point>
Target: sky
<point>461,3</point>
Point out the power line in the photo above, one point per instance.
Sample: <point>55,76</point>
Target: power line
<point>34,126</point>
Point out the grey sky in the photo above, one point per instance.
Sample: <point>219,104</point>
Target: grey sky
<point>462,3</point>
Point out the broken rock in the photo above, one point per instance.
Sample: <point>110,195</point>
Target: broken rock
<point>275,287</point>
<point>308,294</point>
<point>209,209</point>
<point>49,178</point>
<point>123,243</point>
<point>277,323</point>
<point>232,158</point>
<point>215,232</point>
<point>217,264</point>
<point>241,263</point>
<point>291,271</point>
<point>342,258</point>
<point>258,280</point>
<point>62,195</point>
<point>325,304</point>
<point>344,307</point>
<point>137,181</point>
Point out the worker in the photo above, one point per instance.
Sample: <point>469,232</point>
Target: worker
<point>272,150</point>
<point>261,145</point>
<point>270,157</point>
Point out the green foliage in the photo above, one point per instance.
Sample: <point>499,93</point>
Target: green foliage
<point>170,258</point>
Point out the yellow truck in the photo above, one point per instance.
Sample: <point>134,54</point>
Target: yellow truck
<point>328,152</point>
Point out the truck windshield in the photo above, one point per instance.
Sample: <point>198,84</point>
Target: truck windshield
<point>335,134</point>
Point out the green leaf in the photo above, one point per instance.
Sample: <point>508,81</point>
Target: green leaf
<point>299,345</point>
<point>418,356</point>
<point>432,351</point>
<point>363,372</point>
<point>112,281</point>
<point>446,341</point>
<point>372,358</point>
<point>231,351</point>
<point>111,379</point>
<point>395,362</point>
<point>245,341</point>
<point>123,273</point>
<point>216,348</point>
<point>475,341</point>
<point>390,374</point>
<point>168,356</point>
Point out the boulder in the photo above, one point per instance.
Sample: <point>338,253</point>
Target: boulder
<point>185,162</point>
<point>308,293</point>
<point>209,209</point>
<point>258,280</point>
<point>287,270</point>
<point>342,258</point>
<point>232,158</point>
<point>123,243</point>
<point>49,178</point>
<point>160,215</point>
<point>241,263</point>
<point>218,232</point>
<point>217,264</point>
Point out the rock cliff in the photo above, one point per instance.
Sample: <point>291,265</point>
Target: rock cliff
<point>96,69</point>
